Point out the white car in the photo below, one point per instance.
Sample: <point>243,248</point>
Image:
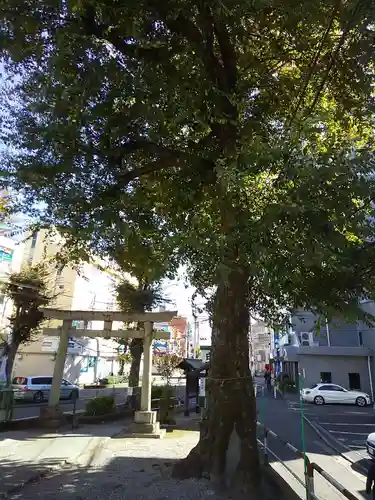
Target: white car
<point>332,393</point>
<point>37,388</point>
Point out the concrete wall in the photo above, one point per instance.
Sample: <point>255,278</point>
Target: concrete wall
<point>340,333</point>
<point>43,248</point>
<point>339,366</point>
<point>306,321</point>
<point>76,368</point>
<point>343,334</point>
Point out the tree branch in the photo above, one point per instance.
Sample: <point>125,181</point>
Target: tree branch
<point>228,53</point>
<point>148,147</point>
<point>119,41</point>
<point>150,168</point>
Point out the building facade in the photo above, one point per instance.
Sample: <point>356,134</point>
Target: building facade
<point>11,256</point>
<point>178,329</point>
<point>87,288</point>
<point>260,346</point>
<point>337,352</point>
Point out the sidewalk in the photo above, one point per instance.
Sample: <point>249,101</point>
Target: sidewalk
<point>287,425</point>
<point>27,456</point>
<point>118,468</point>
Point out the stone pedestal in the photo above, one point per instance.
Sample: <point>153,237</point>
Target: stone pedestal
<point>146,426</point>
<point>52,417</point>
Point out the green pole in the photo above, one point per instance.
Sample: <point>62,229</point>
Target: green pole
<point>302,430</point>
<point>262,407</point>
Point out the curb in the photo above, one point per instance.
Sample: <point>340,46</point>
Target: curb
<point>58,467</point>
<point>332,446</point>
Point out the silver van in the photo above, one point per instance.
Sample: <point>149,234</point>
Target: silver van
<point>37,388</point>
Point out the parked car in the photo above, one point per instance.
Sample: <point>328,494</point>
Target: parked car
<point>37,388</point>
<point>332,393</point>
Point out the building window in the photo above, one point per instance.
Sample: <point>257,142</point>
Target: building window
<point>360,338</point>
<point>325,377</point>
<point>354,381</point>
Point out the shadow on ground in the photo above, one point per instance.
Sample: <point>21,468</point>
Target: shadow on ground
<point>361,466</point>
<point>130,478</point>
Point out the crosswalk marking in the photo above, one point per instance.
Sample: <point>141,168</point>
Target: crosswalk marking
<point>346,424</point>
<point>350,433</point>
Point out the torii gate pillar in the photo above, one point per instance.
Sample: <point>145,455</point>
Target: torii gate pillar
<point>145,424</point>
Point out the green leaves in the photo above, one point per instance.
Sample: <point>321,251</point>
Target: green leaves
<point>138,125</point>
<point>28,291</point>
<point>141,298</point>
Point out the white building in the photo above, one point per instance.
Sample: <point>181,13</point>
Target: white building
<point>11,256</point>
<point>87,288</point>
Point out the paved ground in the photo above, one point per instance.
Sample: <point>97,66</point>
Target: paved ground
<point>285,421</point>
<point>346,427</point>
<point>118,468</point>
<point>25,455</point>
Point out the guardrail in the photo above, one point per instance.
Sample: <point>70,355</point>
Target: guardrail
<point>309,467</point>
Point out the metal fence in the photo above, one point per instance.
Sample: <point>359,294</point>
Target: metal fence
<point>308,482</point>
<point>12,409</point>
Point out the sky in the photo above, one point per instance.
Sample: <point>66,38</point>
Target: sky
<point>180,296</point>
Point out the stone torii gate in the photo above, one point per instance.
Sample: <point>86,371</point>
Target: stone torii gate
<point>145,422</point>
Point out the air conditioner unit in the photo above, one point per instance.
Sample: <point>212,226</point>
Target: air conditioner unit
<point>306,339</point>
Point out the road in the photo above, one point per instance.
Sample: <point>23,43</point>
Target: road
<point>345,427</point>
<point>30,409</point>
<point>285,420</point>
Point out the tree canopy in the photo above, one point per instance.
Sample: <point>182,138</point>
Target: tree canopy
<point>28,291</point>
<point>235,137</point>
<point>137,119</point>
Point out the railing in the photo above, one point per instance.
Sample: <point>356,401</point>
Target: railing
<point>309,467</point>
<point>12,409</point>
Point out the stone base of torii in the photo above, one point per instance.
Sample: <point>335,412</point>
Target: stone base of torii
<point>145,422</point>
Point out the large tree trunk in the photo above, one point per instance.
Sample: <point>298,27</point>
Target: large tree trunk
<point>11,356</point>
<point>136,350</point>
<point>230,416</point>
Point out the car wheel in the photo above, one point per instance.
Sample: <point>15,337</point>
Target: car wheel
<point>360,401</point>
<point>38,397</point>
<point>319,400</point>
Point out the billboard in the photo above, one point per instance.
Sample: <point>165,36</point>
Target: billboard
<point>161,346</point>
<point>6,256</point>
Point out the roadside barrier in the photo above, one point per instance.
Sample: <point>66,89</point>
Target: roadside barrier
<point>309,467</point>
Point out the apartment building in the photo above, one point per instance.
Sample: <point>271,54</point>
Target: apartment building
<point>88,288</point>
<point>260,345</point>
<point>337,352</point>
<point>11,255</point>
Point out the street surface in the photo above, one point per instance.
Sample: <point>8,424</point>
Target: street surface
<point>133,469</point>
<point>284,419</point>
<point>29,409</point>
<point>345,427</point>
